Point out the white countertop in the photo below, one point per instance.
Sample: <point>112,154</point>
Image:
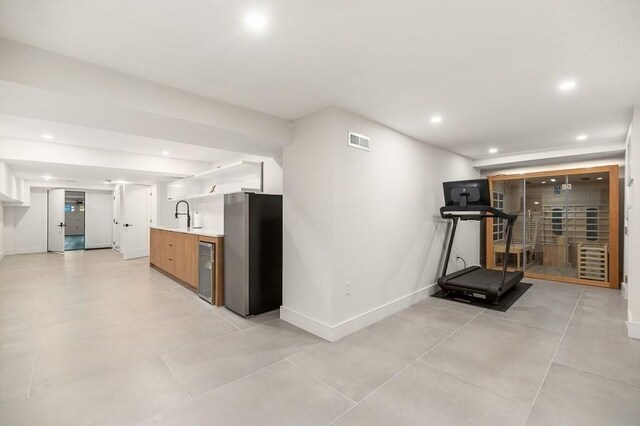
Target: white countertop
<point>207,232</point>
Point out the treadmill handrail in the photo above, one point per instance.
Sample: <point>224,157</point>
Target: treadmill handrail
<point>448,212</point>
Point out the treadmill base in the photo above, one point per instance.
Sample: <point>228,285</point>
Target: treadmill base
<point>504,303</point>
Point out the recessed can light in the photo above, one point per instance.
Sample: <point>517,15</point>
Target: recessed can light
<point>536,202</point>
<point>567,85</point>
<point>543,182</point>
<point>255,21</point>
<point>47,136</point>
<point>552,180</point>
<point>493,150</point>
<point>436,119</point>
<point>581,137</point>
<point>600,178</point>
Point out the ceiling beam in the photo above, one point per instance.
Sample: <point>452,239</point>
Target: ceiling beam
<point>40,84</point>
<point>611,150</point>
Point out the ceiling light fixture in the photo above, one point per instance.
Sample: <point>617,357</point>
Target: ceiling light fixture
<point>436,119</point>
<point>567,86</point>
<point>165,153</point>
<point>581,138</point>
<point>543,182</point>
<point>552,180</point>
<point>536,202</point>
<point>46,177</point>
<point>600,178</point>
<point>493,150</point>
<point>47,136</point>
<point>255,21</point>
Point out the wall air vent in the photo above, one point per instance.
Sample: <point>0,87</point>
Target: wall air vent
<point>359,141</point>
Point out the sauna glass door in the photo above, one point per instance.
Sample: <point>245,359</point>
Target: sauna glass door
<point>587,226</point>
<point>567,226</point>
<point>508,196</point>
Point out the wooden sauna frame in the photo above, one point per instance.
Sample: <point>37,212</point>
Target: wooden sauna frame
<point>614,224</point>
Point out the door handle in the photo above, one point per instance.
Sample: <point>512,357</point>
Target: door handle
<point>61,225</point>
<point>126,225</point>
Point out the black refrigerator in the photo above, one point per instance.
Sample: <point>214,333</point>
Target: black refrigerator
<point>252,252</point>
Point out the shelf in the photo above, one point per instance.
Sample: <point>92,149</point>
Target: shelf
<point>234,177</point>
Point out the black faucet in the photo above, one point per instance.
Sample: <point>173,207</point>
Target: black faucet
<point>187,213</point>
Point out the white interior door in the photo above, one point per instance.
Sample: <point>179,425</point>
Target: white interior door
<point>134,221</point>
<point>117,218</point>
<point>55,220</point>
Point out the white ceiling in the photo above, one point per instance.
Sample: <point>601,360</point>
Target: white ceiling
<point>491,69</point>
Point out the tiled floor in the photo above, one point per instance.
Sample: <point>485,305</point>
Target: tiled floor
<point>86,338</point>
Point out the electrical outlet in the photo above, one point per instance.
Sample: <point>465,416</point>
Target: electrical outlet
<point>347,288</point>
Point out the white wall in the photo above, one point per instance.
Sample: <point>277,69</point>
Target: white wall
<point>98,219</point>
<point>25,228</point>
<point>1,231</point>
<point>367,218</point>
<point>633,203</point>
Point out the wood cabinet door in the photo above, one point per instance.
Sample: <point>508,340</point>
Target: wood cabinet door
<point>186,258</point>
<point>154,247</point>
<point>167,251</point>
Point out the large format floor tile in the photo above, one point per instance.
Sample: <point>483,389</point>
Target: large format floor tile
<point>15,378</point>
<point>442,313</point>
<point>507,357</point>
<point>601,346</point>
<point>118,342</point>
<point>540,309</point>
<point>126,395</point>
<point>279,395</point>
<point>72,362</point>
<point>424,395</point>
<point>361,362</point>
<point>204,367</point>
<point>572,397</point>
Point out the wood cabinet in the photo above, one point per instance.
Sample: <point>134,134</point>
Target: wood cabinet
<point>176,254</point>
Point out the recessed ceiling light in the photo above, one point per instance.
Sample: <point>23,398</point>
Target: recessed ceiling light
<point>165,152</point>
<point>493,150</point>
<point>47,136</point>
<point>581,137</point>
<point>46,177</point>
<point>543,182</point>
<point>600,178</point>
<point>567,85</point>
<point>436,119</point>
<point>552,180</point>
<point>536,202</point>
<point>255,21</point>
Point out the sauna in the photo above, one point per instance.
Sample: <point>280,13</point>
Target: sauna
<point>567,227</point>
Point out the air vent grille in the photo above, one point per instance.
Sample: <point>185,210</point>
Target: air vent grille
<point>359,141</point>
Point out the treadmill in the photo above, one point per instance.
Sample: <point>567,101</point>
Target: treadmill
<point>470,200</point>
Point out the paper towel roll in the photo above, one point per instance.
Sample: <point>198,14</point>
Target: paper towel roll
<point>197,220</point>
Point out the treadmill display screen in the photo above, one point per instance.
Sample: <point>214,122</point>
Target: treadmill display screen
<point>477,190</point>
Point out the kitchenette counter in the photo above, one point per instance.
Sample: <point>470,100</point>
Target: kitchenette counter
<point>206,232</point>
<point>175,252</point>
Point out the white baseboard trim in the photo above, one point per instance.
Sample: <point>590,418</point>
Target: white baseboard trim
<point>30,250</point>
<point>335,332</point>
<point>624,289</point>
<point>633,329</point>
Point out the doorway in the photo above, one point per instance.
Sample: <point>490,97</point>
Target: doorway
<point>74,213</point>
<point>567,227</point>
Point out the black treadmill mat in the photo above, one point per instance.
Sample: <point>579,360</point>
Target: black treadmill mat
<point>506,301</point>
